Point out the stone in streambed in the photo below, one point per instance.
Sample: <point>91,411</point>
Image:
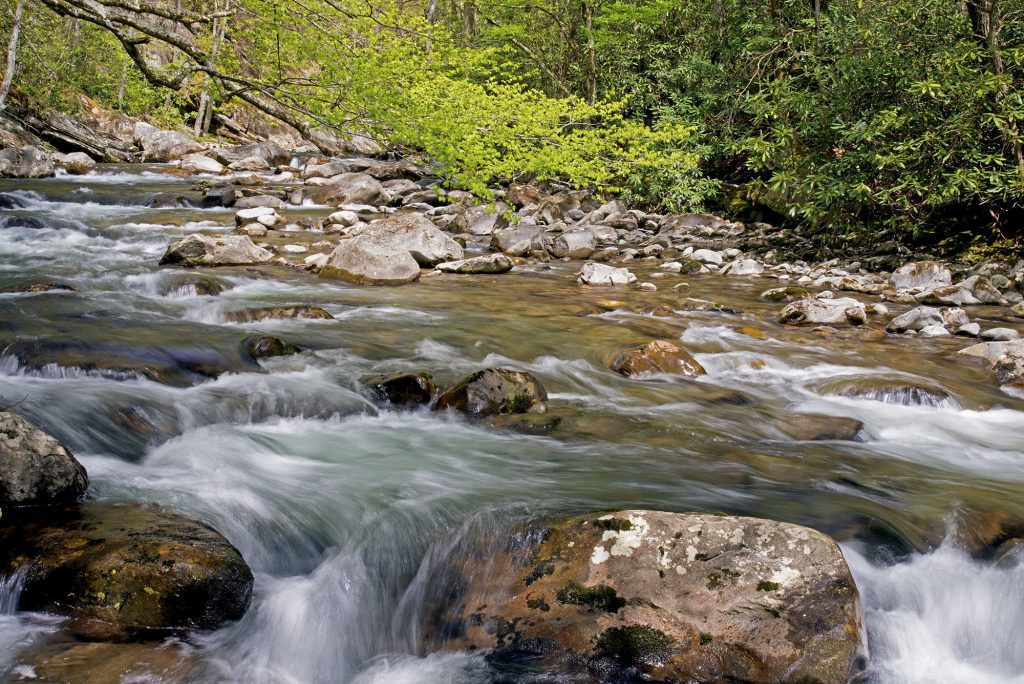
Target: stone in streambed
<point>267,346</point>
<point>223,250</point>
<point>824,310</point>
<point>123,571</point>
<point>97,662</point>
<point>494,391</point>
<point>36,469</point>
<point>37,286</point>
<point>924,275</point>
<point>526,423</point>
<point>661,597</point>
<point>813,427</point>
<point>487,263</point>
<point>658,356</point>
<point>78,163</point>
<point>195,285</point>
<point>402,389</point>
<point>254,314</point>
<point>26,162</point>
<point>603,274</point>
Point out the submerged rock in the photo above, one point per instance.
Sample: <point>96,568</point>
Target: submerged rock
<point>224,250</point>
<point>821,310</point>
<point>123,571</point>
<point>658,356</point>
<point>191,284</point>
<point>665,597</point>
<point>814,427</point>
<point>403,389</point>
<point>37,286</point>
<point>495,390</point>
<point>254,314</point>
<point>267,346</point>
<point>901,391</point>
<point>36,469</point>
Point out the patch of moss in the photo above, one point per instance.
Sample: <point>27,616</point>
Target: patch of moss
<point>540,570</point>
<point>614,524</point>
<point>634,645</point>
<point>705,639</point>
<point>716,580</point>
<point>599,597</point>
<point>771,611</point>
<point>765,585</point>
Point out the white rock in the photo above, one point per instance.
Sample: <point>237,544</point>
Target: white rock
<point>1000,334</point>
<point>294,249</point>
<point>672,267</point>
<point>933,331</point>
<point>603,274</point>
<point>969,330</point>
<point>707,256</point>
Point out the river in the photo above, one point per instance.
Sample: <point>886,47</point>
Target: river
<point>346,512</point>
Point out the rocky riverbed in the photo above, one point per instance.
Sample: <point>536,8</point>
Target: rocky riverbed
<point>319,419</point>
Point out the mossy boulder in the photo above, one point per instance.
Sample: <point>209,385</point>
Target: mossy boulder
<point>494,391</point>
<point>36,469</point>
<point>402,389</point>
<point>125,571</point>
<point>663,597</point>
<point>784,294</point>
<point>658,356</point>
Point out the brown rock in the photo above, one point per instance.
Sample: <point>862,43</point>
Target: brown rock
<point>656,357</point>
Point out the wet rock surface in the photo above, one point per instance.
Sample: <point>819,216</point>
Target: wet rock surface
<point>402,389</point>
<point>657,357</point>
<point>493,391</point>
<point>123,571</point>
<point>35,468</point>
<point>663,597</point>
<point>225,250</point>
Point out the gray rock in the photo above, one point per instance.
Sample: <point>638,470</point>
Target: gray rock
<point>925,275</point>
<point>26,162</point>
<point>200,163</point>
<point>487,263</point>
<point>481,219</point>
<point>352,188</point>
<point>934,331</point>
<point>654,596</point>
<point>36,469</point>
<point>266,153</point>
<point>969,330</point>
<point>743,267</point>
<point>494,391</point>
<point>502,240</point>
<point>915,319</point>
<point>244,217</point>
<point>1000,334</point>
<point>223,250</point>
<point>707,256</point>
<point>370,260</point>
<point>973,290</point>
<point>78,163</point>
<point>830,311</point>
<point>572,244</point>
<point>335,167</point>
<point>603,274</point>
<point>165,146</point>
<point>253,201</point>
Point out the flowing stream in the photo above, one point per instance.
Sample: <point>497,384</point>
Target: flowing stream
<point>345,511</point>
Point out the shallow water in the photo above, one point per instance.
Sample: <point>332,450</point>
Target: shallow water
<point>346,512</point>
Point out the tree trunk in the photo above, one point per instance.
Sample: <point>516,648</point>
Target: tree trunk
<point>469,21</point>
<point>12,54</point>
<point>588,15</point>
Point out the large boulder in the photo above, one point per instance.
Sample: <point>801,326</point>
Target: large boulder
<point>165,146</point>
<point>665,597</point>
<point>656,357</point>
<point>923,275</point>
<point>505,239</point>
<point>264,154</point>
<point>572,244</point>
<point>36,469</point>
<point>352,188</point>
<point>481,219</point>
<point>125,571</point>
<point>916,319</point>
<point>492,391</point>
<point>824,310</point>
<point>973,290</point>
<point>391,251</point>
<point>1005,360</point>
<point>223,250</point>
<point>26,162</point>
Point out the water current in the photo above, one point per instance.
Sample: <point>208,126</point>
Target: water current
<point>345,511</point>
